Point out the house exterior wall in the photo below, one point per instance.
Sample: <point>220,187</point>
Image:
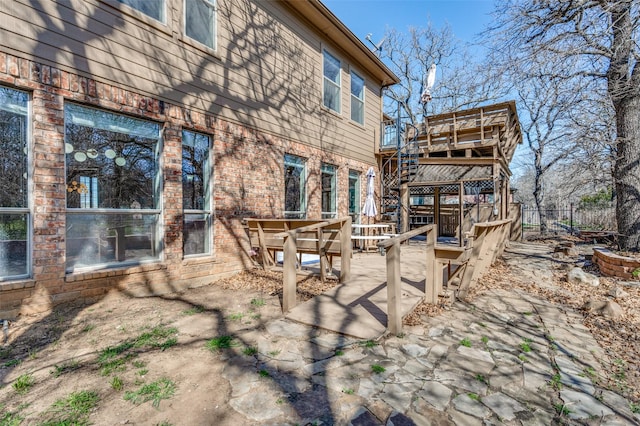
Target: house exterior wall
<point>256,105</point>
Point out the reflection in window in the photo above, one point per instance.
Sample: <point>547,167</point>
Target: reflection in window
<point>331,72</point>
<point>112,187</point>
<point>328,178</point>
<point>354,195</point>
<point>357,98</point>
<point>295,184</point>
<point>152,8</point>
<point>200,21</point>
<point>14,206</point>
<point>195,193</point>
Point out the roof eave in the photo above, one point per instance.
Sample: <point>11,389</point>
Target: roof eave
<point>328,24</point>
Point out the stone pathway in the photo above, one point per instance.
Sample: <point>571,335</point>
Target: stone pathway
<point>507,358</point>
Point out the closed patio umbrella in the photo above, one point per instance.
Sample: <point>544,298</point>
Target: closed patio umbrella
<point>369,208</point>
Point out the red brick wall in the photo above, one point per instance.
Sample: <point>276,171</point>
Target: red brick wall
<point>247,182</point>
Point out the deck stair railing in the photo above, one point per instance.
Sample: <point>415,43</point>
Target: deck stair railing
<point>394,276</point>
<point>485,243</point>
<point>317,235</point>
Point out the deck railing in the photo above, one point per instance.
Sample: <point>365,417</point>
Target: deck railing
<point>394,276</point>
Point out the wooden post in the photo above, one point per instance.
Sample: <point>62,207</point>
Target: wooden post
<point>404,212</point>
<point>436,209</point>
<point>461,214</point>
<point>433,282</point>
<point>322,254</point>
<point>394,287</point>
<point>289,266</point>
<point>267,262</point>
<point>345,251</point>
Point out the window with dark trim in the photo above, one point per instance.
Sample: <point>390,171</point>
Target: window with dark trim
<point>15,213</point>
<point>113,188</point>
<point>329,194</point>
<point>196,200</point>
<point>295,187</point>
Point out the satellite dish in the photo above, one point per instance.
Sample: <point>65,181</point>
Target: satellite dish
<point>431,79</point>
<point>376,46</point>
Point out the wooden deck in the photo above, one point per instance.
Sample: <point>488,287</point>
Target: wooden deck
<point>359,307</point>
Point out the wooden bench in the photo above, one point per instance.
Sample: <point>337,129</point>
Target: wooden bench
<point>316,237</point>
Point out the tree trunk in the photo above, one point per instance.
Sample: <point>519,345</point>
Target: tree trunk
<point>627,173</point>
<point>537,191</point>
<point>623,78</point>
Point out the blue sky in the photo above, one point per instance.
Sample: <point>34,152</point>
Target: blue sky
<point>466,17</point>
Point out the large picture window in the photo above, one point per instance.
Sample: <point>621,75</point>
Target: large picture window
<point>196,201</point>
<point>15,222</point>
<point>113,183</point>
<point>295,187</point>
<point>331,73</point>
<point>357,98</point>
<point>200,21</point>
<point>328,178</point>
<point>152,8</point>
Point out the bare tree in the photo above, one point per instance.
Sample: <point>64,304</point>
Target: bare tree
<point>599,40</point>
<point>460,84</point>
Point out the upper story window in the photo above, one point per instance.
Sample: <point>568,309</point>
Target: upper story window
<point>196,199</point>
<point>200,21</point>
<point>152,8</point>
<point>331,72</point>
<point>357,98</point>
<point>295,187</point>
<point>113,187</point>
<point>15,222</point>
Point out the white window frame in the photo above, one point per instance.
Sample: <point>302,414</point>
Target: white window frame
<point>328,83</point>
<point>358,100</point>
<point>212,4</point>
<point>24,210</point>
<point>207,210</point>
<point>291,160</point>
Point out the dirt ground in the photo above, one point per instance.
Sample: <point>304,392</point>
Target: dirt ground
<point>126,350</point>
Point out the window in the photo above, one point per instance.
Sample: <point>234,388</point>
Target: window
<point>196,201</point>
<point>328,181</point>
<point>15,219</point>
<point>354,195</point>
<point>152,8</point>
<point>331,72</point>
<point>357,98</point>
<point>113,187</point>
<point>200,21</point>
<point>295,187</point>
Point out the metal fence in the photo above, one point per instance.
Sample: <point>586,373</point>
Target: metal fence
<point>568,219</point>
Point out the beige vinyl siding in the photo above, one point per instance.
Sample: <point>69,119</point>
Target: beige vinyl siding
<point>277,90</point>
